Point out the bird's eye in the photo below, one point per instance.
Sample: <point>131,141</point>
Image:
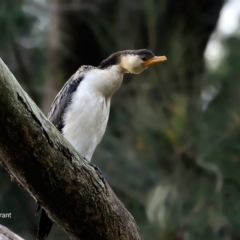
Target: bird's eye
<point>144,58</point>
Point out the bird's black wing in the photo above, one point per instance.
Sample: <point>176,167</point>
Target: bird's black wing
<point>63,98</point>
<point>55,115</point>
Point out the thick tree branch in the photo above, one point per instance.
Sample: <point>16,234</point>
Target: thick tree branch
<point>70,190</point>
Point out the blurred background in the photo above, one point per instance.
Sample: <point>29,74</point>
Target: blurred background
<point>171,151</point>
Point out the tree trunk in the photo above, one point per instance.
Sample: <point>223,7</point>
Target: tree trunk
<point>69,188</point>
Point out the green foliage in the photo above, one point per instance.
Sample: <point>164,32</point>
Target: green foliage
<point>13,20</point>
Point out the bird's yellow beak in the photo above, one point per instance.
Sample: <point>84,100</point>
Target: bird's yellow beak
<point>154,60</point>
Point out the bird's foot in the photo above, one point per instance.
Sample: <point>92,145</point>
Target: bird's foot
<point>99,171</point>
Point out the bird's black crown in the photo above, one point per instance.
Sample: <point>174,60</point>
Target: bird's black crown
<point>114,59</point>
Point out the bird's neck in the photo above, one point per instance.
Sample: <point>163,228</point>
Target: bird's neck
<point>106,81</point>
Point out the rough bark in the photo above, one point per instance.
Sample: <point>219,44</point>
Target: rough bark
<point>38,157</point>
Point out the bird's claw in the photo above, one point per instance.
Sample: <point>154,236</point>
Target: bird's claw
<point>99,171</point>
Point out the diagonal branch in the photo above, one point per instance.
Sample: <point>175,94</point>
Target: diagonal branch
<point>7,234</point>
<point>38,157</point>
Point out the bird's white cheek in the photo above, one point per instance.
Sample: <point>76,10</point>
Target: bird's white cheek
<point>138,70</point>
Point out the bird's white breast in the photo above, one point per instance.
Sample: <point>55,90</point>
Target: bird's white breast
<point>86,118</point>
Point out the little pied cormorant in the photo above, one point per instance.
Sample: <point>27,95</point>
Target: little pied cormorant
<point>80,111</point>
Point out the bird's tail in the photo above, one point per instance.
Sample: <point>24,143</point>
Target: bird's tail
<point>44,225</point>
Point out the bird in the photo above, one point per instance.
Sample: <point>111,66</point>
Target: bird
<point>80,111</point>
